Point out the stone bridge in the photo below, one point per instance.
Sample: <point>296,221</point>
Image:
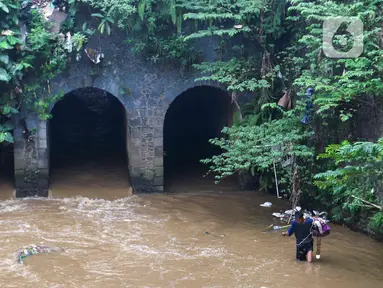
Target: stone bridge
<point>145,91</point>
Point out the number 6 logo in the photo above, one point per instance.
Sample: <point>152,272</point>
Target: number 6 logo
<point>355,28</point>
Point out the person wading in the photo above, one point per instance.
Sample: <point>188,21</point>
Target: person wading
<point>302,228</point>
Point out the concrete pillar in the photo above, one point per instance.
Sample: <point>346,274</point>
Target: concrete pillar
<point>31,157</point>
<point>158,162</point>
<point>146,171</point>
<point>146,151</point>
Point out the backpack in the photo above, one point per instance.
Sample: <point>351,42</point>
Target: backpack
<point>325,227</point>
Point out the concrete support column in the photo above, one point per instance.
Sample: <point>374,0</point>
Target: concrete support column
<point>146,151</point>
<point>146,177</point>
<point>31,157</point>
<point>159,157</point>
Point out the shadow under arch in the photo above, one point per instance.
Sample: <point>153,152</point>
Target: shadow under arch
<point>7,172</point>
<point>88,145</point>
<point>195,116</point>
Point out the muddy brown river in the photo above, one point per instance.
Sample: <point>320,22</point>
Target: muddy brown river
<point>159,240</point>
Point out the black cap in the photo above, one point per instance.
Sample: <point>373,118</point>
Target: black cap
<point>298,215</point>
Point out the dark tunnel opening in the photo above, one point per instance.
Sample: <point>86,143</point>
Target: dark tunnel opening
<point>6,170</point>
<point>193,118</point>
<point>88,144</point>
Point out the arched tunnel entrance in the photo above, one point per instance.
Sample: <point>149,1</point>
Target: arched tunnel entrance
<point>194,117</point>
<point>88,145</point>
<point>6,170</point>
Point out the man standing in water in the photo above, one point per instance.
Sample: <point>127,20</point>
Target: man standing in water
<point>302,229</point>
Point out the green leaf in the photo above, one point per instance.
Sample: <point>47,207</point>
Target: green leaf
<point>7,126</point>
<point>4,8</point>
<point>4,58</point>
<point>13,6</point>
<point>5,45</point>
<point>6,137</point>
<point>101,27</point>
<point>14,111</point>
<point>6,110</point>
<point>4,76</point>
<point>15,20</point>
<point>19,66</point>
<point>13,40</point>
<point>141,9</point>
<point>9,110</point>
<point>97,15</point>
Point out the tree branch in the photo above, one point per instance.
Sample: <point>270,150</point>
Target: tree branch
<point>368,203</point>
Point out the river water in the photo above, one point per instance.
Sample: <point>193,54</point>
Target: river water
<point>160,240</point>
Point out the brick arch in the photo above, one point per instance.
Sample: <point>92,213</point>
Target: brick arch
<point>73,86</point>
<point>208,84</point>
<point>188,86</point>
<point>175,93</point>
<point>112,91</point>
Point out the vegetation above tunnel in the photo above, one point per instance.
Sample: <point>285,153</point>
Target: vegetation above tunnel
<point>266,49</point>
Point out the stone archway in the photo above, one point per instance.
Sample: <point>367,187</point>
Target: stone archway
<point>88,141</point>
<point>145,94</point>
<point>193,117</point>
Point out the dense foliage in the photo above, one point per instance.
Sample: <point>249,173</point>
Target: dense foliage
<point>30,47</point>
<point>265,48</point>
<point>356,178</point>
<point>340,86</point>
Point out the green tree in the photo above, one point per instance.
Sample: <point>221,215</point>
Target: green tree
<point>355,181</point>
<point>39,54</point>
<point>339,81</point>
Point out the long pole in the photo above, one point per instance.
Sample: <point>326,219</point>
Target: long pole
<point>276,179</point>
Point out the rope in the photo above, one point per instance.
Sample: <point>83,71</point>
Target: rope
<point>311,234</point>
<point>305,239</point>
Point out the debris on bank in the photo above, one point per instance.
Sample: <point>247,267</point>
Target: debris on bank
<point>266,204</point>
<point>289,214</point>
